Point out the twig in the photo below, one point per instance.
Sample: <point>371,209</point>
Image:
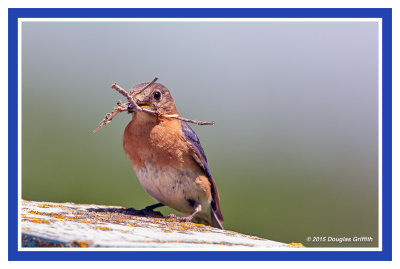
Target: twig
<point>126,94</point>
<point>189,120</point>
<point>131,106</point>
<point>109,116</point>
<point>148,84</point>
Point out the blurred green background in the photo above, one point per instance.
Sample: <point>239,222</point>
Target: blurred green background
<point>295,149</point>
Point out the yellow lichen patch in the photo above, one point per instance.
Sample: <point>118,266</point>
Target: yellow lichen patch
<point>82,244</point>
<point>35,212</point>
<point>166,231</point>
<point>296,245</point>
<point>213,243</point>
<point>45,205</point>
<point>71,218</point>
<point>39,221</point>
<point>102,228</point>
<point>198,224</point>
<point>58,217</point>
<point>26,229</point>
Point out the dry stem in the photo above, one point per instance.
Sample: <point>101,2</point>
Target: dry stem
<point>131,106</point>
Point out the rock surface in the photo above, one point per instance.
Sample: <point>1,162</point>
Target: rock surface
<point>45,224</point>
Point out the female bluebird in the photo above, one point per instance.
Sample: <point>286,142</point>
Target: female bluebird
<point>168,158</point>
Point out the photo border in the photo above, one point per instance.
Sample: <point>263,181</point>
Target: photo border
<point>383,13</point>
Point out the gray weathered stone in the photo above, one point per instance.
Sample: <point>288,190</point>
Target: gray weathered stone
<point>46,224</point>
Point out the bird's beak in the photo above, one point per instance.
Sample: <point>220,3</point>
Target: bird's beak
<point>143,104</point>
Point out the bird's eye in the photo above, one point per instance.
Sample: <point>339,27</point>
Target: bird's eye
<point>157,95</point>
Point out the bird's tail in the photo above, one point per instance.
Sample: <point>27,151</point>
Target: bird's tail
<point>211,220</point>
<point>215,221</point>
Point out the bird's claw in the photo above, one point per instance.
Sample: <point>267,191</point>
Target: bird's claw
<point>179,219</point>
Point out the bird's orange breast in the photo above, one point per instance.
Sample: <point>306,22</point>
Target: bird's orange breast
<point>147,140</point>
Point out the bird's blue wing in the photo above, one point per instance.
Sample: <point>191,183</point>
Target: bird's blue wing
<point>200,157</point>
<point>191,136</point>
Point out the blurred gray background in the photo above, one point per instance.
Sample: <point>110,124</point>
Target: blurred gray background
<point>295,149</point>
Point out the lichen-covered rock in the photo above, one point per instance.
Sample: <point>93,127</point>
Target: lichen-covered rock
<point>46,224</point>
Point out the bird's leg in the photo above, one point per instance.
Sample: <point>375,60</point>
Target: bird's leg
<point>196,209</point>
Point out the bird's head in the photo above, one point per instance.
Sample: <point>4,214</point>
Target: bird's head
<point>155,97</point>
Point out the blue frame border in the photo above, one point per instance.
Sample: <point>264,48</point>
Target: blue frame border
<point>385,254</point>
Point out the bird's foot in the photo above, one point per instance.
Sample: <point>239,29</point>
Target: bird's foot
<point>150,209</point>
<point>196,209</point>
<point>186,219</point>
<point>131,210</point>
<point>176,218</point>
<point>172,216</point>
<point>147,212</point>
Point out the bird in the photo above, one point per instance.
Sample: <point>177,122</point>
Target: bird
<point>168,158</point>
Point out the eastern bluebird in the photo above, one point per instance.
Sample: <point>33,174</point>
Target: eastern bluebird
<point>168,158</point>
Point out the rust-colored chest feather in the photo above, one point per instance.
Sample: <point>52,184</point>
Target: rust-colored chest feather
<point>160,143</point>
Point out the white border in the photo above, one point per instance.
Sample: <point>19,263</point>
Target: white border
<point>199,20</point>
<point>380,132</point>
<point>20,20</point>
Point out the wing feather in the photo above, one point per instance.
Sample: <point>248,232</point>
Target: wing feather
<point>200,157</point>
